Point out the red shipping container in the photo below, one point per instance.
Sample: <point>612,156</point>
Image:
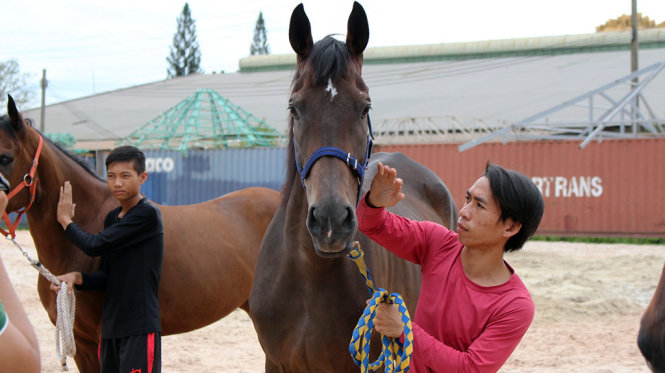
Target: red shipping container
<point>611,188</point>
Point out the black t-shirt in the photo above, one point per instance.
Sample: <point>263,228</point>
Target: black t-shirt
<point>132,251</point>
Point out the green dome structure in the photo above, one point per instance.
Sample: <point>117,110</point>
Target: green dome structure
<point>204,120</point>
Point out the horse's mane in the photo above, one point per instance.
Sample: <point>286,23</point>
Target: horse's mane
<point>328,59</point>
<point>85,165</point>
<point>6,125</point>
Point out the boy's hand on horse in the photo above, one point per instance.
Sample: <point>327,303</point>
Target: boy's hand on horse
<point>71,278</point>
<point>65,205</point>
<point>386,188</point>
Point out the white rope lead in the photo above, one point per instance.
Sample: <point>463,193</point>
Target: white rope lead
<point>64,325</point>
<point>66,309</point>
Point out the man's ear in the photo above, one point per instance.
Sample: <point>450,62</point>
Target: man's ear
<point>144,176</point>
<point>511,228</point>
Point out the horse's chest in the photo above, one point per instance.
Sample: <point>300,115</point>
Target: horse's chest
<point>307,331</point>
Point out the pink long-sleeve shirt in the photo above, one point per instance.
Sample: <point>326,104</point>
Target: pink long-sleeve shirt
<point>459,326</point>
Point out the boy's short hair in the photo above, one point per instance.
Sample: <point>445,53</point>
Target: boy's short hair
<point>127,153</point>
<point>519,199</point>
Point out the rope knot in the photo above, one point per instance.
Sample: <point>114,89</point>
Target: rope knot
<point>396,355</point>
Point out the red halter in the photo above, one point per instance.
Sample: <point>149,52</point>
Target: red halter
<point>29,182</point>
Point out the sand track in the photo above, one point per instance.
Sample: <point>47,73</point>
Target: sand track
<point>589,300</point>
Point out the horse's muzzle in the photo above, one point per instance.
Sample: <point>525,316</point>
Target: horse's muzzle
<point>332,227</point>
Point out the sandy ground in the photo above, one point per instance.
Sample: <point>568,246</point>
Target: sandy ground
<point>589,300</point>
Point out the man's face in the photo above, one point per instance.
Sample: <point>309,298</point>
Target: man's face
<point>123,181</point>
<point>479,223</point>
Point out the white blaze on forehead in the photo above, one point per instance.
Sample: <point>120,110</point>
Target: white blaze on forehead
<point>331,89</point>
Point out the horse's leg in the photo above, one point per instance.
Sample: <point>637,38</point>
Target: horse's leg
<point>272,367</point>
<point>86,356</point>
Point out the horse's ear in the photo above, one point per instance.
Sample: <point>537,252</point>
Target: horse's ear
<point>13,113</point>
<point>300,32</point>
<point>357,34</point>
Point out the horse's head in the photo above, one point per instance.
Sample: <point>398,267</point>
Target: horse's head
<point>329,127</point>
<point>16,156</point>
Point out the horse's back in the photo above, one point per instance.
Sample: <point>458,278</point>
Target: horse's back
<point>235,221</point>
<point>426,195</point>
<point>264,199</point>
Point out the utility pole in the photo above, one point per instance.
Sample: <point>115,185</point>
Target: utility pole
<point>43,111</point>
<point>634,47</point>
<point>634,44</point>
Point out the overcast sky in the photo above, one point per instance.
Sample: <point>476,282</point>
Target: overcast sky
<point>89,46</point>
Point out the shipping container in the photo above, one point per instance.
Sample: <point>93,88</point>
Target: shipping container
<point>611,188</point>
<point>201,175</point>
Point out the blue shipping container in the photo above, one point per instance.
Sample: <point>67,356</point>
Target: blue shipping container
<point>176,179</point>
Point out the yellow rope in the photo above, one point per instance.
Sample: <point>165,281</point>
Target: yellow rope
<point>395,355</point>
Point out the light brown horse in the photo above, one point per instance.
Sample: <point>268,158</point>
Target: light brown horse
<point>307,295</point>
<point>651,337</point>
<point>210,248</point>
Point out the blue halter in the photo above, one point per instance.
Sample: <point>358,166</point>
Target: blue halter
<point>357,167</point>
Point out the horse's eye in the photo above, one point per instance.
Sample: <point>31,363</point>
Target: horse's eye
<point>366,110</point>
<point>5,159</point>
<point>293,111</point>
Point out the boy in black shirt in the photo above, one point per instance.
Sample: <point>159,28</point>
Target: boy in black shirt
<point>131,246</point>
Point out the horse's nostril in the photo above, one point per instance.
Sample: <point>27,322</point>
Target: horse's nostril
<point>350,216</point>
<point>350,223</point>
<point>313,223</point>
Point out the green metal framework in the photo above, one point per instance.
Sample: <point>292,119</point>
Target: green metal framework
<point>204,120</point>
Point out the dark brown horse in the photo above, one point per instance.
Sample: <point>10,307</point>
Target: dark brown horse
<point>651,337</point>
<point>307,295</point>
<point>210,249</point>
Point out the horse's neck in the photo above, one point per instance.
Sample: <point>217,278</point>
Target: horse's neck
<point>90,194</point>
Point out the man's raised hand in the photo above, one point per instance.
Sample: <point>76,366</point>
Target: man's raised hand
<point>386,188</point>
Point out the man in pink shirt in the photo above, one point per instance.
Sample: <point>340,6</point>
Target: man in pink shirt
<point>473,308</point>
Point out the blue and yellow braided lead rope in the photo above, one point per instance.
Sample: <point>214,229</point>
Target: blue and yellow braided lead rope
<point>395,355</point>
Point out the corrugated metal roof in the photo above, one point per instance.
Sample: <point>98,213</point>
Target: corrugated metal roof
<point>546,45</point>
<point>486,90</point>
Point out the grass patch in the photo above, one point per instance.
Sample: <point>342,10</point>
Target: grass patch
<point>623,240</point>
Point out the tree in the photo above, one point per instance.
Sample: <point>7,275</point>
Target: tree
<point>185,57</point>
<point>260,43</point>
<point>623,22</point>
<point>14,83</point>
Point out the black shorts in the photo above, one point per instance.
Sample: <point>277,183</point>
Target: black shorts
<point>134,354</point>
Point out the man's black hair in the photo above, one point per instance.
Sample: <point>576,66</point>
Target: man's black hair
<point>127,153</point>
<point>519,199</point>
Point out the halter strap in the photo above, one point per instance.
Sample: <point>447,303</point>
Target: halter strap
<point>29,182</point>
<point>356,166</point>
